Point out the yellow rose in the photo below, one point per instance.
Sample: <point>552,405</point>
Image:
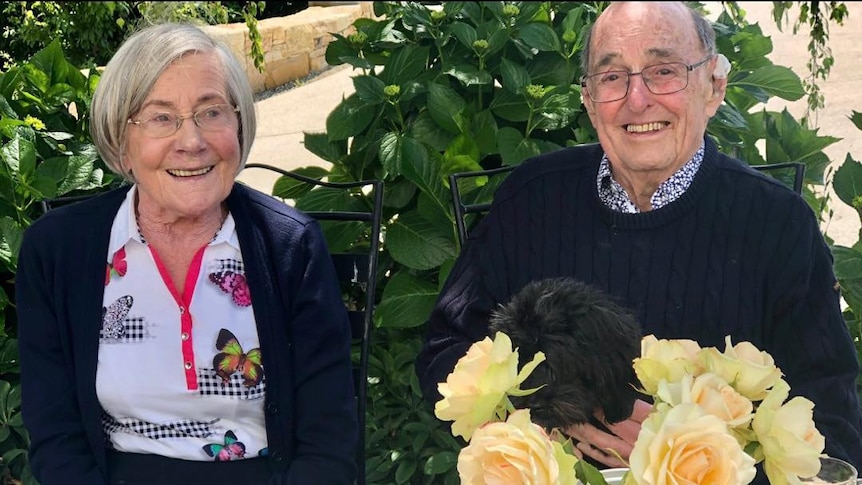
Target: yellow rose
<point>750,371</point>
<point>665,360</point>
<point>713,394</point>
<point>790,443</point>
<point>684,444</point>
<point>475,392</point>
<point>516,451</point>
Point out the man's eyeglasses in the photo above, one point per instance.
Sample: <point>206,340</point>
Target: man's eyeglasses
<point>666,78</point>
<point>209,118</point>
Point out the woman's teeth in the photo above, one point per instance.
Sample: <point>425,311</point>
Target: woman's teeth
<point>189,173</point>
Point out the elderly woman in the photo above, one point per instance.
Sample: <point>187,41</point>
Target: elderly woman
<point>184,328</point>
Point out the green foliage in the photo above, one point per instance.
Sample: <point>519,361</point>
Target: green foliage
<point>815,17</point>
<point>476,85</point>
<point>88,31</point>
<point>44,152</point>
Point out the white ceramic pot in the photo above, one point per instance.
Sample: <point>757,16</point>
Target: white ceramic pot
<point>614,476</point>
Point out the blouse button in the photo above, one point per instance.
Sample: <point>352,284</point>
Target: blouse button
<point>184,336</point>
<point>188,365</point>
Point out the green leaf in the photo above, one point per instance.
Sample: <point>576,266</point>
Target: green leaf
<point>484,129</point>
<point>390,153</point>
<point>776,80</point>
<point>847,183</point>
<point>407,301</point>
<point>587,473</point>
<point>515,77</point>
<point>469,75</point>
<point>856,118</point>
<point>440,462</point>
<point>68,173</point>
<point>550,68</point>
<point>320,145</point>
<point>290,188</point>
<point>465,33</point>
<point>444,106</point>
<point>369,89</point>
<point>848,262</point>
<point>514,148</point>
<point>540,36</point>
<point>510,106</point>
<point>339,49</point>
<point>424,171</point>
<point>19,156</point>
<point>51,62</point>
<point>405,64</point>
<point>349,118</point>
<point>462,155</point>
<point>427,131</point>
<point>417,244</point>
<point>405,471</point>
<point>11,234</point>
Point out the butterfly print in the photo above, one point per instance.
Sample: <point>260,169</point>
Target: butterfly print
<point>231,359</point>
<point>114,315</point>
<point>234,284</point>
<point>117,266</point>
<point>231,448</point>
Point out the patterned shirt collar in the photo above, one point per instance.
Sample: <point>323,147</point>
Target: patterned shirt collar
<point>614,196</point>
<point>125,227</point>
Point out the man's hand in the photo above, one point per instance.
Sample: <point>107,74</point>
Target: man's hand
<point>597,444</point>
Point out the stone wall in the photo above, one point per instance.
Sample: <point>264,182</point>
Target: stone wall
<point>294,46</point>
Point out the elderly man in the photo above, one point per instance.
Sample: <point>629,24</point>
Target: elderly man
<point>694,243</point>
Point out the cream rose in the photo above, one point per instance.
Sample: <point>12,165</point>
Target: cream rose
<point>684,444</point>
<point>476,390</point>
<point>515,451</point>
<point>713,394</point>
<point>665,360</point>
<point>790,443</point>
<point>748,369</point>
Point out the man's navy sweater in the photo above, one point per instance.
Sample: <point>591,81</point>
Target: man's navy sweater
<point>737,254</point>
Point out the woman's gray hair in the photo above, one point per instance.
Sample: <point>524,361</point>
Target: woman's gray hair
<point>134,69</point>
<point>702,26</point>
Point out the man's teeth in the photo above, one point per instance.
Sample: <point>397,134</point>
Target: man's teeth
<point>189,173</point>
<point>654,126</point>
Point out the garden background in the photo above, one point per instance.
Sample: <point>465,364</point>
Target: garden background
<point>433,109</point>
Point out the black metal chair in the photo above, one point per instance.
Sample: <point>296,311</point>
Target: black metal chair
<point>472,194</point>
<point>791,173</point>
<point>470,200</point>
<point>356,271</point>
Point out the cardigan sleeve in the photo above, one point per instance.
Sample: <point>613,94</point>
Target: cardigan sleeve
<point>59,450</point>
<point>810,341</point>
<point>325,406</point>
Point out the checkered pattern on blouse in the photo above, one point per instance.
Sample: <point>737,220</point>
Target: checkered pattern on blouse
<point>220,265</point>
<point>210,384</point>
<point>135,330</point>
<point>175,429</point>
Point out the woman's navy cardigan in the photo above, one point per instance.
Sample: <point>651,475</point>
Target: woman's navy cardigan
<point>304,337</point>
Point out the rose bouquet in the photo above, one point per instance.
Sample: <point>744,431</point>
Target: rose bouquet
<point>715,415</point>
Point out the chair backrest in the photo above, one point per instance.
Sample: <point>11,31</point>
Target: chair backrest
<point>356,271</point>
<point>791,174</point>
<point>472,192</point>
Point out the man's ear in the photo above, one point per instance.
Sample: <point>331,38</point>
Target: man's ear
<point>588,102</point>
<point>719,82</point>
